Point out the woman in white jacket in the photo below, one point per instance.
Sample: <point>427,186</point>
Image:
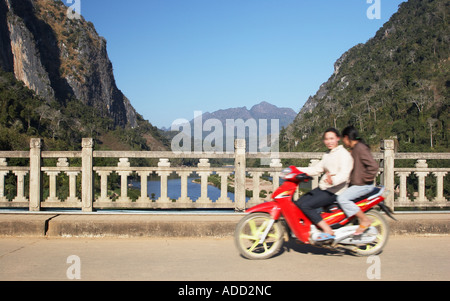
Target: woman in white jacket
<point>337,164</point>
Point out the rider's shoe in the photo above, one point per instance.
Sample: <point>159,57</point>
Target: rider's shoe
<point>325,237</point>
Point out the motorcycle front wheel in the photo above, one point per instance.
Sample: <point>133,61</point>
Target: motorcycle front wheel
<point>375,247</point>
<point>249,232</point>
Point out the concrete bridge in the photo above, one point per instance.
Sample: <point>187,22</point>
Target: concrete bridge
<point>192,240</point>
<point>88,181</point>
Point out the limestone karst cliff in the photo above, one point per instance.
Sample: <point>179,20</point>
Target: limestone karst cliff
<point>396,85</point>
<point>60,58</point>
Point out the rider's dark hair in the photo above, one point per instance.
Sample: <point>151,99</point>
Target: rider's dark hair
<point>352,133</point>
<point>333,130</point>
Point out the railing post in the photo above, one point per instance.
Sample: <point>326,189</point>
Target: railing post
<point>239,174</point>
<point>388,170</point>
<point>35,174</point>
<point>87,181</point>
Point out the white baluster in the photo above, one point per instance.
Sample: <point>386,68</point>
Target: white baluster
<point>403,198</point>
<point>204,173</point>
<point>184,175</point>
<point>440,187</point>
<point>164,174</point>
<point>2,185</point>
<point>224,188</point>
<point>103,186</point>
<point>72,186</point>
<point>256,187</point>
<point>52,198</point>
<point>421,164</point>
<point>144,189</point>
<point>123,162</point>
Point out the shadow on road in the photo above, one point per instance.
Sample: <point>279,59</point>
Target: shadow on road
<point>294,246</point>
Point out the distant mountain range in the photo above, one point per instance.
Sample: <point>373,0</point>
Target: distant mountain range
<point>263,110</point>
<point>260,127</point>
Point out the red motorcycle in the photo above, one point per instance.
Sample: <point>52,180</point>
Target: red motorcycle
<point>261,233</point>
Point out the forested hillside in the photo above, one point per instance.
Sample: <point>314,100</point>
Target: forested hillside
<point>57,83</point>
<point>23,115</point>
<point>397,85</point>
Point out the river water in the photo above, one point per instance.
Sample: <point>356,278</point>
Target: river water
<point>174,189</point>
<point>194,189</point>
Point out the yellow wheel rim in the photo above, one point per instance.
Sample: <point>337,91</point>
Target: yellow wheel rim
<point>252,232</point>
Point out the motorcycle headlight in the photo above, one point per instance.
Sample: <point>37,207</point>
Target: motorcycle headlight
<point>285,173</point>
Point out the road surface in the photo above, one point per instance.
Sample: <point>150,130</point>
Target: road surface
<point>206,259</point>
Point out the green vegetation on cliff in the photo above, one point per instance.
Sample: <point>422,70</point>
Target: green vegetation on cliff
<point>397,85</point>
<point>23,115</point>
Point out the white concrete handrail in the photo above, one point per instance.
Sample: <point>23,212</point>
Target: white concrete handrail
<point>35,184</point>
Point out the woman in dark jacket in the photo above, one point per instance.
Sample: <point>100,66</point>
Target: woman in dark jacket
<point>362,178</point>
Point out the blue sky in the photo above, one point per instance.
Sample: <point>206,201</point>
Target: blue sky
<point>174,57</point>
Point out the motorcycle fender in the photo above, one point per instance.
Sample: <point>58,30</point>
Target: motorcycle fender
<point>271,208</point>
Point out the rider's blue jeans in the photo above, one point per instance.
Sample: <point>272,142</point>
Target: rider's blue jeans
<point>345,199</point>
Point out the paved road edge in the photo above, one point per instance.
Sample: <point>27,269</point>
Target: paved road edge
<point>172,225</point>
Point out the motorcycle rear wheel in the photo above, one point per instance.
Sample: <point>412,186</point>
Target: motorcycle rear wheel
<point>249,232</point>
<point>374,248</point>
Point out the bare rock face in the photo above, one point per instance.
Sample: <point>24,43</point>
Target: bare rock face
<point>60,58</point>
<point>27,65</point>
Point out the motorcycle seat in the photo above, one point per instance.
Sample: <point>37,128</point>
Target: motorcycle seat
<point>335,206</point>
<point>374,192</point>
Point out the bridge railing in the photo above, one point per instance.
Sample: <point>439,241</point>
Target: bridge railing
<point>34,185</point>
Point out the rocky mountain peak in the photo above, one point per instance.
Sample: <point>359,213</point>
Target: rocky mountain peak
<point>60,58</point>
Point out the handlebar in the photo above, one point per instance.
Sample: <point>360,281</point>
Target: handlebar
<point>303,177</point>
